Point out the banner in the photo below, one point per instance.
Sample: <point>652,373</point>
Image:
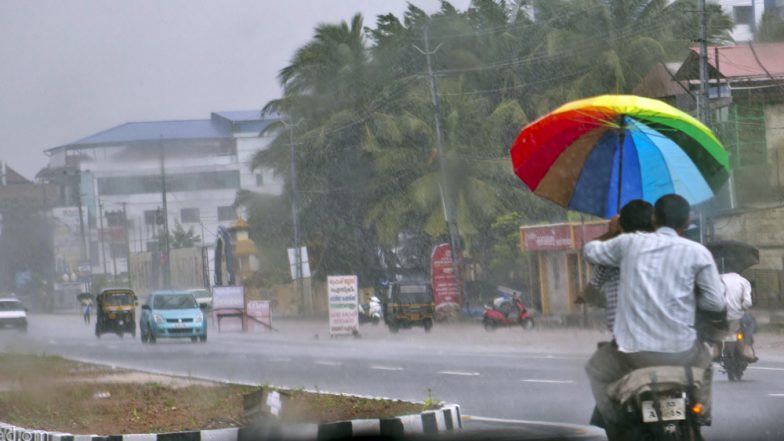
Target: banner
<point>228,307</point>
<point>447,288</point>
<point>259,316</point>
<point>343,298</point>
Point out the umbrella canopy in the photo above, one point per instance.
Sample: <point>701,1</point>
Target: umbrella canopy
<point>84,297</point>
<point>597,154</point>
<point>732,256</point>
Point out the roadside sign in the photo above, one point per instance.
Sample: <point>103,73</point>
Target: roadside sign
<point>343,298</point>
<point>259,315</point>
<point>447,289</point>
<point>228,307</point>
<point>305,273</point>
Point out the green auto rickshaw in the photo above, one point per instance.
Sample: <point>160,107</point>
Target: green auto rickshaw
<point>115,312</point>
<point>409,303</point>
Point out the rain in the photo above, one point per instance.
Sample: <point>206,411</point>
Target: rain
<point>325,220</point>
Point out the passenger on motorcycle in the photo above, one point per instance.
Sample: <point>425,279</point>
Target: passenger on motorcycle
<point>738,295</point>
<point>661,274</point>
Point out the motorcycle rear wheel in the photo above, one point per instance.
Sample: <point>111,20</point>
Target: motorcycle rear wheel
<point>490,325</point>
<point>527,323</point>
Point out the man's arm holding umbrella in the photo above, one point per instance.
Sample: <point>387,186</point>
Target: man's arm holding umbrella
<point>607,252</point>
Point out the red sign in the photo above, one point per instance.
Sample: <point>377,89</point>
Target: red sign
<point>447,289</point>
<point>560,236</point>
<point>547,238</point>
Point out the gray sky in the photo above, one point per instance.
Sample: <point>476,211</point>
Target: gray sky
<point>69,69</point>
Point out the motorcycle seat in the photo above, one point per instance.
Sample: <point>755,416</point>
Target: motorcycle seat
<point>639,381</point>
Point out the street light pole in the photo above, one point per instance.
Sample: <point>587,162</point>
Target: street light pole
<point>166,263</point>
<point>295,220</point>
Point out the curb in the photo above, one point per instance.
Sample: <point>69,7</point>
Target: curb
<point>445,419</point>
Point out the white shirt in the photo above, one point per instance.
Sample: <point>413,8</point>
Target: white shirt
<point>657,301</point>
<point>738,294</point>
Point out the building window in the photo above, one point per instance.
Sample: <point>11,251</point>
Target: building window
<point>743,14</point>
<point>114,218</point>
<point>226,213</point>
<point>118,250</point>
<point>190,215</point>
<point>149,216</point>
<point>259,180</point>
<point>122,185</point>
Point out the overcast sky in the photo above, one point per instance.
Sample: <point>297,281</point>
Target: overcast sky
<point>69,69</point>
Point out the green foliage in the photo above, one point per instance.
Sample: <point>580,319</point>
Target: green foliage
<point>771,28</point>
<point>182,238</point>
<point>360,114</point>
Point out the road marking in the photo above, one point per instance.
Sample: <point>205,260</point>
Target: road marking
<point>280,359</point>
<point>328,363</point>
<point>776,395</point>
<point>387,368</point>
<point>579,428</point>
<point>464,374</point>
<point>766,368</point>
<point>534,380</point>
<point>52,342</point>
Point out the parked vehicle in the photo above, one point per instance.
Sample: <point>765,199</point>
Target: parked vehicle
<point>115,312</point>
<point>370,312</point>
<point>409,303</point>
<point>203,297</point>
<point>13,314</point>
<point>661,403</point>
<point>172,314</point>
<point>507,312</point>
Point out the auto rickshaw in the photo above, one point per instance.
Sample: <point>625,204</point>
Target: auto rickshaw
<point>407,304</point>
<point>115,312</point>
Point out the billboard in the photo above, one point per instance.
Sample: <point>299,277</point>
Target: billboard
<point>447,286</point>
<point>228,307</point>
<point>343,300</point>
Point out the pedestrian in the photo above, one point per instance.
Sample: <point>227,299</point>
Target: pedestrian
<point>86,311</point>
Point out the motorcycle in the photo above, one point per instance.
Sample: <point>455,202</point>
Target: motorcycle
<point>732,358</point>
<point>661,403</point>
<point>371,312</point>
<point>508,313</point>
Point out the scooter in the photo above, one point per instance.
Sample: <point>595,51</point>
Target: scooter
<point>371,312</point>
<point>661,403</point>
<point>509,313</point>
<point>732,358</point>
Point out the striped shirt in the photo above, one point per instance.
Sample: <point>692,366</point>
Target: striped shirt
<point>661,273</point>
<point>606,279</point>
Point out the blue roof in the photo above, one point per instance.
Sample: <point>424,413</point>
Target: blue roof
<point>154,130</point>
<point>241,115</point>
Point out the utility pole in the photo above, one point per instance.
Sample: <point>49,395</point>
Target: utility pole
<point>100,236</point>
<point>703,103</point>
<point>295,221</point>
<point>166,263</point>
<point>127,242</point>
<point>446,194</point>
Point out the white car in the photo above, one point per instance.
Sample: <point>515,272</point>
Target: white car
<point>13,314</point>
<point>203,297</point>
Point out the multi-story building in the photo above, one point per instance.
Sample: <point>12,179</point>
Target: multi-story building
<point>120,174</point>
<point>747,15</point>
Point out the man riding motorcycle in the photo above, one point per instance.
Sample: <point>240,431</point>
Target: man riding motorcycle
<point>664,280</point>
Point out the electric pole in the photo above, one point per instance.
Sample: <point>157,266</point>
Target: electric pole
<point>165,258</point>
<point>100,236</point>
<point>295,221</point>
<point>127,241</point>
<point>703,102</point>
<point>446,194</point>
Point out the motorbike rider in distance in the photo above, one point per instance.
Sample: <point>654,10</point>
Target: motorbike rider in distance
<point>661,273</point>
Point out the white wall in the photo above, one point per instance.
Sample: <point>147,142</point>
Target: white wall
<point>743,32</point>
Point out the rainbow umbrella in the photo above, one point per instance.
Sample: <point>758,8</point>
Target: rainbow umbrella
<point>573,156</point>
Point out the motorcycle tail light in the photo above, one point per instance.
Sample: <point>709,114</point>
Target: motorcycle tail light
<point>697,408</point>
<point>739,336</point>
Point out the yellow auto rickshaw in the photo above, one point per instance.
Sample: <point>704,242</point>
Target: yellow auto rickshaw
<point>409,303</point>
<point>115,312</point>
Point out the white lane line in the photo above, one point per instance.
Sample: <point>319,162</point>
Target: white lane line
<point>766,368</point>
<point>536,380</point>
<point>579,428</point>
<point>386,368</point>
<point>328,363</point>
<point>464,374</point>
<point>280,359</point>
<point>776,395</point>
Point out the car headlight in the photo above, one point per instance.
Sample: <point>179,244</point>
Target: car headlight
<point>199,318</point>
<point>158,318</point>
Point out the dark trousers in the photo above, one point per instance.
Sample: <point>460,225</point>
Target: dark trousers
<point>608,365</point>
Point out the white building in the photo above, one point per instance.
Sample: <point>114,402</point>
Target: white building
<point>747,15</point>
<point>205,161</point>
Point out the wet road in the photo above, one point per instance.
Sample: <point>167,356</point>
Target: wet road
<point>535,376</point>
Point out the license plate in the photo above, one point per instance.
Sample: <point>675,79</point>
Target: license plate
<point>180,325</point>
<point>672,409</point>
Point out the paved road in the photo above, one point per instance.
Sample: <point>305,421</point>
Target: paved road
<point>510,374</point>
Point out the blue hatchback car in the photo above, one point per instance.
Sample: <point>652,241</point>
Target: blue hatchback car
<point>172,314</point>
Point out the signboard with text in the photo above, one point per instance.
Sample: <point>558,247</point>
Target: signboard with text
<point>560,236</point>
<point>447,289</point>
<point>259,315</point>
<point>228,307</point>
<point>343,299</point>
